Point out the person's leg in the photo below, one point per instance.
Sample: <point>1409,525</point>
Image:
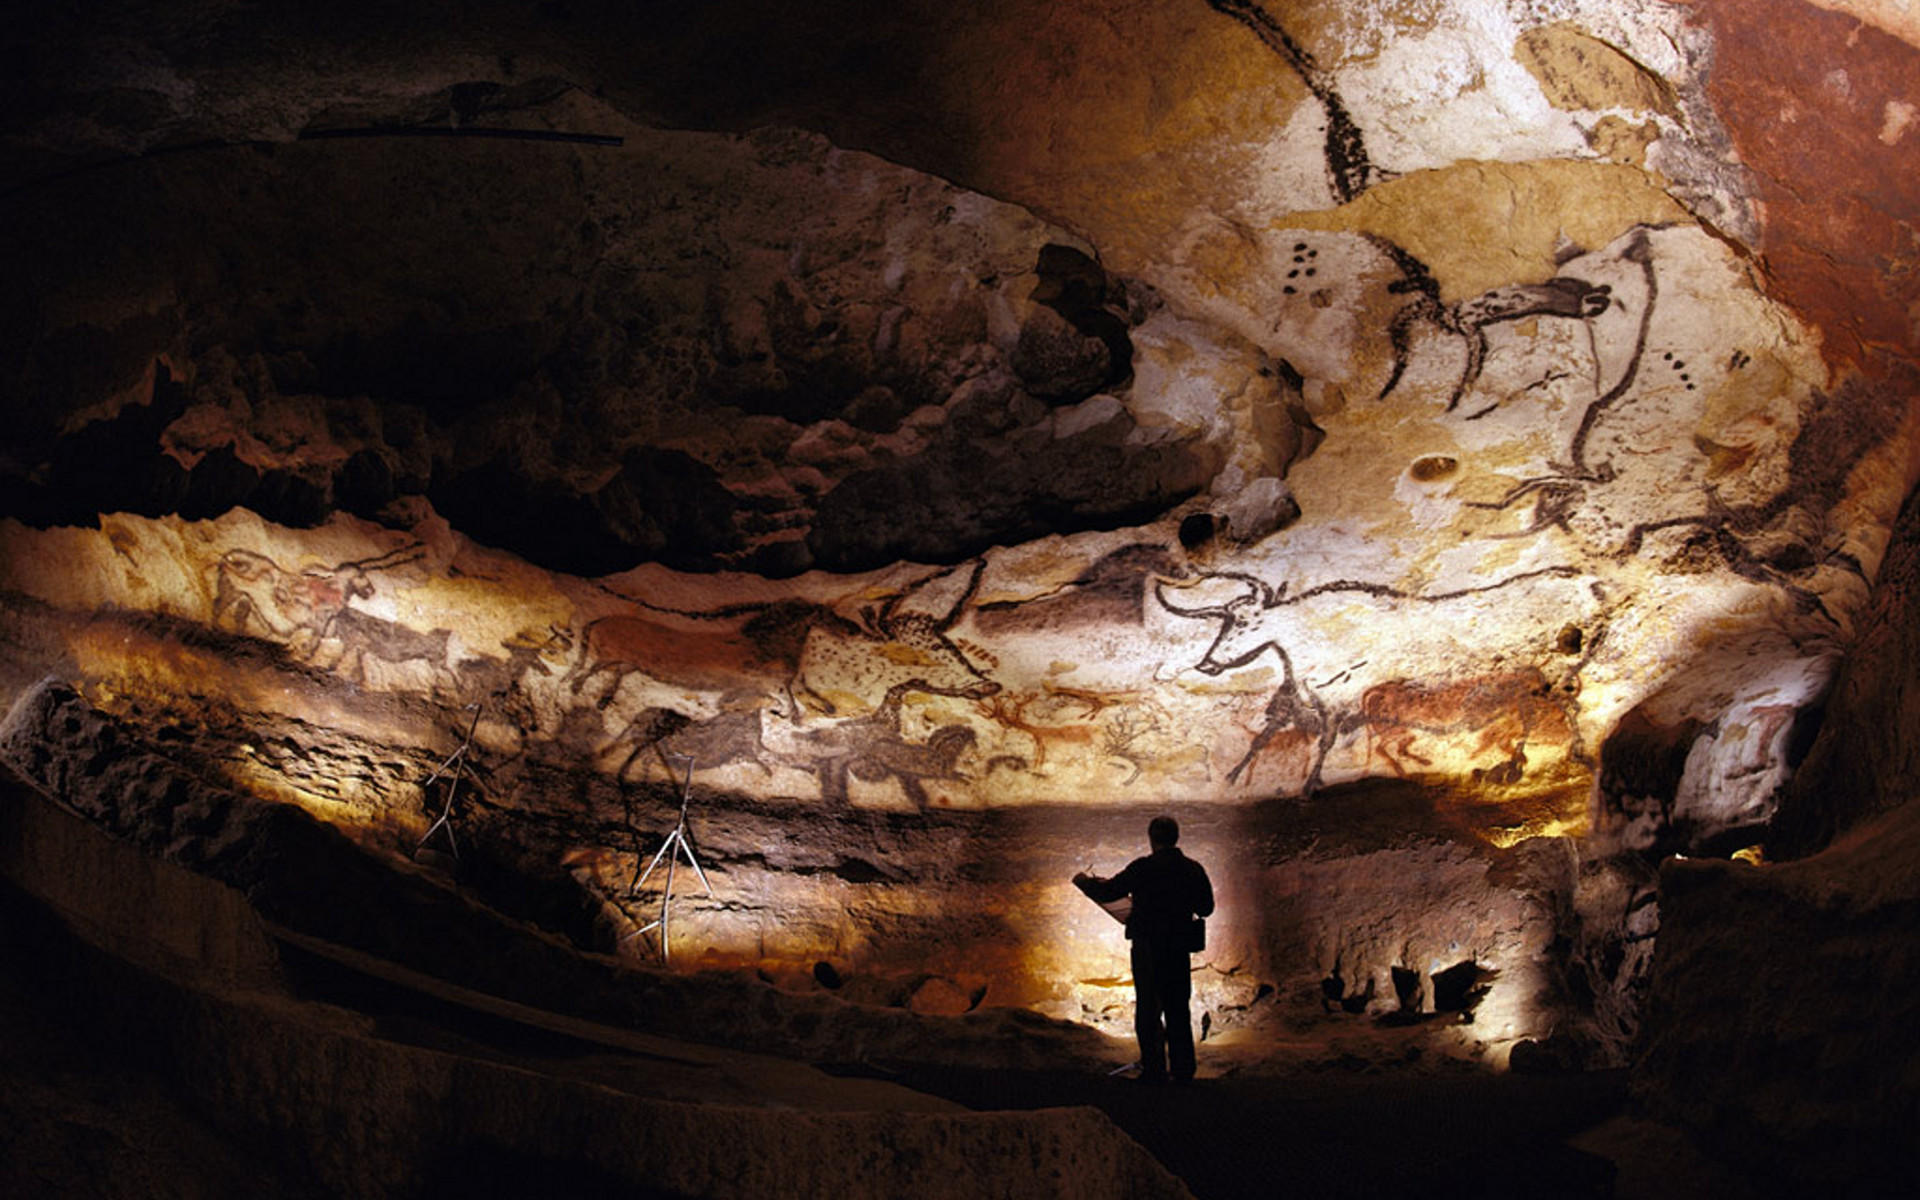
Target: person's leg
<point>1173,986</point>
<point>1147,1013</point>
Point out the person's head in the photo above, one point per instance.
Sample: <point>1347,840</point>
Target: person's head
<point>1163,831</point>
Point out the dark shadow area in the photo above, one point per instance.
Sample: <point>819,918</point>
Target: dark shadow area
<point>481,1171</point>
<point>1431,1135</point>
<point>1461,987</point>
<point>86,1109</point>
<point>1434,1135</point>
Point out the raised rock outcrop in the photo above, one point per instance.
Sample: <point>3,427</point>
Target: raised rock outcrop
<point>254,1025</point>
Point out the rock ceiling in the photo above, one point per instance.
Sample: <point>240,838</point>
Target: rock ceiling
<point>1182,404</point>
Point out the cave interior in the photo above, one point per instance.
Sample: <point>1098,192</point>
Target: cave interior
<point>578,578</point>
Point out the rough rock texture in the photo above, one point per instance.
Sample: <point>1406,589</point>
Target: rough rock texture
<point>932,913</point>
<point>1865,758</point>
<point>1837,110</point>
<point>685,348</point>
<point>306,876</point>
<point>1781,1020</point>
<point>767,353</point>
<point>392,1106</point>
<point>1441,451</point>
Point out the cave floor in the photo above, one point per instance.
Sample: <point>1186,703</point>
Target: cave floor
<point>1390,1132</point>
<point>77,1118</point>
<point>89,1106</point>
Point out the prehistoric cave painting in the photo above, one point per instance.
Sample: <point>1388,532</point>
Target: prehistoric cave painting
<point>1561,296</point>
<point>1126,730</point>
<point>363,638</point>
<point>710,742</point>
<point>874,749</point>
<point>1349,171</point>
<point>510,683</point>
<point>706,651</point>
<point>820,661</point>
<point>904,642</point>
<point>1325,679</point>
<point>847,679</point>
<point>1142,735</point>
<point>1637,446</point>
<point>1052,717</point>
<point>1504,710</point>
<point>1637,249</point>
<point>1111,591</point>
<point>312,613</point>
<point>817,688</point>
<point>254,595</point>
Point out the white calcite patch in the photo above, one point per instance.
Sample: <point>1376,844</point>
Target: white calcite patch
<point>1454,92</point>
<point>1898,118</point>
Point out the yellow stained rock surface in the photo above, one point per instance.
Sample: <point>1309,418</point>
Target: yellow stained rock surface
<point>1579,71</point>
<point>1480,225</point>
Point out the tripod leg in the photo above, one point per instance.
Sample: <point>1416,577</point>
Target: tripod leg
<point>666,898</point>
<point>641,878</point>
<point>444,820</point>
<point>453,789</point>
<point>695,864</point>
<point>458,761</point>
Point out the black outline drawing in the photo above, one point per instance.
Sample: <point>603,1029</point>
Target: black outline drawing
<point>298,609</point>
<point>873,749</point>
<point>886,624</point>
<point>1349,171</point>
<point>1560,494</point>
<point>1295,705</point>
<point>1561,296</point>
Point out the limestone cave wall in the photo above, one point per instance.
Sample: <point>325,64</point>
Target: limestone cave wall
<point>1779,1000</point>
<point>1442,452</point>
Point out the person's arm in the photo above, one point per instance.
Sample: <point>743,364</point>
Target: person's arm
<point>1105,891</point>
<point>1202,892</point>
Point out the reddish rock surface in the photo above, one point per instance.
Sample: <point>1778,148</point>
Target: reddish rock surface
<point>1820,108</point>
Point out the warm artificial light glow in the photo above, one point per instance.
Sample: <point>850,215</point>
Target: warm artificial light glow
<point>1549,827</point>
<point>347,807</point>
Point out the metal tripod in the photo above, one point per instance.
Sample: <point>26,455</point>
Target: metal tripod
<point>458,762</point>
<point>677,839</point>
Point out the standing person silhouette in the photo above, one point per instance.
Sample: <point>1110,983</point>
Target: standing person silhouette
<point>1170,892</point>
